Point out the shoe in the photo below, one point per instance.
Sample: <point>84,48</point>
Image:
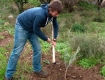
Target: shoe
<point>8,78</point>
<point>41,74</point>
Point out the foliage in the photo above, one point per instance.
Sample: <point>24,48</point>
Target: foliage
<point>69,4</point>
<point>62,48</point>
<point>77,28</point>
<point>102,71</point>
<point>98,17</point>
<point>1,21</point>
<point>2,50</point>
<point>2,62</point>
<point>8,28</point>
<point>91,45</point>
<point>87,62</point>
<point>95,27</point>
<point>72,58</point>
<point>45,47</point>
<point>44,1</point>
<point>20,4</point>
<point>46,61</point>
<point>34,2</point>
<point>3,1</point>
<point>86,6</point>
<point>21,1</point>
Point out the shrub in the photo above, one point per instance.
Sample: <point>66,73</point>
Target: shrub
<point>86,6</point>
<point>90,45</point>
<point>77,28</point>
<point>87,62</point>
<point>98,19</point>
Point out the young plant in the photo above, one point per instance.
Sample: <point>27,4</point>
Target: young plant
<point>72,58</point>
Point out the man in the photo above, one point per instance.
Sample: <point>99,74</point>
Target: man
<point>27,27</point>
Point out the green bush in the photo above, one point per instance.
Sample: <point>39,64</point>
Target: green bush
<point>98,19</point>
<point>35,2</point>
<point>77,28</point>
<point>87,62</point>
<point>90,45</point>
<point>86,6</point>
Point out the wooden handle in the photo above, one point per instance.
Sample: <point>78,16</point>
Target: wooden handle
<point>53,48</point>
<point>53,55</point>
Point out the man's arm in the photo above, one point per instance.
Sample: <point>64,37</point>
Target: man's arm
<point>36,28</point>
<point>55,26</point>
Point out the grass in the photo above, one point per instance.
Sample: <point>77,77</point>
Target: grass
<point>86,6</point>
<point>88,62</point>
<point>2,62</point>
<point>102,71</point>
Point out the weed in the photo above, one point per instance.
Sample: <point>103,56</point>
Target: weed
<point>102,71</point>
<point>46,61</point>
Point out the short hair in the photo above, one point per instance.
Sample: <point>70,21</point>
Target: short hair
<point>56,5</point>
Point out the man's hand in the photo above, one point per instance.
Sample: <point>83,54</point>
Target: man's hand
<point>53,42</point>
<point>49,40</point>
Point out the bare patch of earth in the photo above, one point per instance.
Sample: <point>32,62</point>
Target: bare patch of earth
<point>5,38</point>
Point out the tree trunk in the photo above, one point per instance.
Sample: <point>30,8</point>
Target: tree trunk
<point>99,4</point>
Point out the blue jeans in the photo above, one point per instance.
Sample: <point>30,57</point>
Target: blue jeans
<point>20,38</point>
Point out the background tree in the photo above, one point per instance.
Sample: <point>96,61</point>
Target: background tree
<point>69,4</point>
<point>20,4</point>
<point>45,1</point>
<point>99,4</point>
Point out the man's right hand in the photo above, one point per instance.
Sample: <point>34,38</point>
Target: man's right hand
<point>49,40</point>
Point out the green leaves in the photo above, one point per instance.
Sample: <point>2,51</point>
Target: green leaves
<point>77,28</point>
<point>102,71</point>
<point>87,63</point>
<point>2,62</point>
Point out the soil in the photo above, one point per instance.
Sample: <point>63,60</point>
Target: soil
<point>6,38</point>
<point>57,71</point>
<point>74,72</point>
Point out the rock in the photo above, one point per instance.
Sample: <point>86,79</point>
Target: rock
<point>74,77</point>
<point>10,16</point>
